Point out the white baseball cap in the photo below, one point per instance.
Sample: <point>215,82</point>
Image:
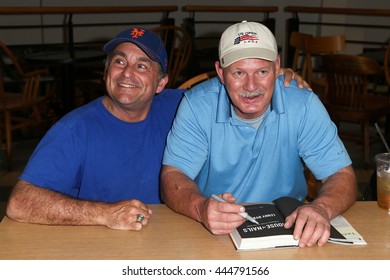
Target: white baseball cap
<point>247,40</point>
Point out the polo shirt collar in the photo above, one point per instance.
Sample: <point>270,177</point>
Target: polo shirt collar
<point>224,108</point>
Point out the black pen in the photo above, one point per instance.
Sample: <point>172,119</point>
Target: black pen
<point>245,215</point>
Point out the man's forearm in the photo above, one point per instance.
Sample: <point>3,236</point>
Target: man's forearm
<point>32,204</point>
<point>338,192</point>
<point>180,193</point>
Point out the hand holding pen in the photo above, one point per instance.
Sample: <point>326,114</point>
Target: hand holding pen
<point>245,215</point>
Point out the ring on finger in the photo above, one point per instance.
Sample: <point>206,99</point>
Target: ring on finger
<point>140,218</point>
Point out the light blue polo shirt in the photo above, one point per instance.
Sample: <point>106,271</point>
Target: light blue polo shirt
<point>223,154</point>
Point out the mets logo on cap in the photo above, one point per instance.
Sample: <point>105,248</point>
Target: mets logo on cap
<point>135,32</point>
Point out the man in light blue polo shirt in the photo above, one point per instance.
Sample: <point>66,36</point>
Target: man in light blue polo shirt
<point>100,164</point>
<point>241,135</point>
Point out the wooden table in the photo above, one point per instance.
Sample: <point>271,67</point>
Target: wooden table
<point>171,236</point>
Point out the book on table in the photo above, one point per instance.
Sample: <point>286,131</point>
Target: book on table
<point>270,233</point>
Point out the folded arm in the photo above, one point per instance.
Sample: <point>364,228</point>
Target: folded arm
<point>32,204</point>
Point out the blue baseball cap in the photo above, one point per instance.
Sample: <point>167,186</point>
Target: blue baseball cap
<point>146,39</point>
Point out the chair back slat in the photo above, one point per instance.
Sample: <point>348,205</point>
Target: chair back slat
<point>297,41</point>
<point>386,62</point>
<point>19,98</point>
<point>178,45</point>
<point>349,99</point>
<point>31,88</point>
<point>197,79</point>
<point>348,78</point>
<point>319,45</point>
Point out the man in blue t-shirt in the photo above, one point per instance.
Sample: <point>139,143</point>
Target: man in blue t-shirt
<point>100,164</point>
<point>246,137</point>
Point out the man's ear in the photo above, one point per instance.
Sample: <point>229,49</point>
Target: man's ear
<point>277,65</point>
<point>162,83</point>
<point>219,71</point>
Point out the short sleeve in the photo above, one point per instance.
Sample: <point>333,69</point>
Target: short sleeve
<point>187,145</point>
<point>56,162</point>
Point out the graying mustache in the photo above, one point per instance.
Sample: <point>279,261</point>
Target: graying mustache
<point>252,93</point>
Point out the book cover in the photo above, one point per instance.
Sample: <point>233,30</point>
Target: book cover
<point>270,233</point>
<point>349,234</point>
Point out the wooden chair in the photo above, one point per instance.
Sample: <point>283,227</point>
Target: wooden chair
<point>297,41</point>
<point>21,108</point>
<point>316,47</point>
<point>349,100</point>
<point>197,79</point>
<point>178,44</point>
<point>386,63</point>
<point>386,68</point>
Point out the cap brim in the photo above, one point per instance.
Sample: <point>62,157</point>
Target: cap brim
<point>111,45</point>
<point>239,54</point>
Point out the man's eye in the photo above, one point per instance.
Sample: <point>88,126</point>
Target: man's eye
<point>119,61</point>
<point>142,66</point>
<point>263,73</point>
<point>238,73</point>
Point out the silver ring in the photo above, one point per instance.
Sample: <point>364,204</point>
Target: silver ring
<point>140,218</point>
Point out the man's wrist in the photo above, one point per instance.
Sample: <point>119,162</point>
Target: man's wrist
<point>324,209</point>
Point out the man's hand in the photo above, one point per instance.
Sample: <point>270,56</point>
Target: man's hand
<point>312,225</point>
<point>123,215</point>
<point>290,74</point>
<point>221,217</point>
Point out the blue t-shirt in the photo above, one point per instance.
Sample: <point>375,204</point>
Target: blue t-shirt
<point>89,154</point>
<point>224,154</point>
